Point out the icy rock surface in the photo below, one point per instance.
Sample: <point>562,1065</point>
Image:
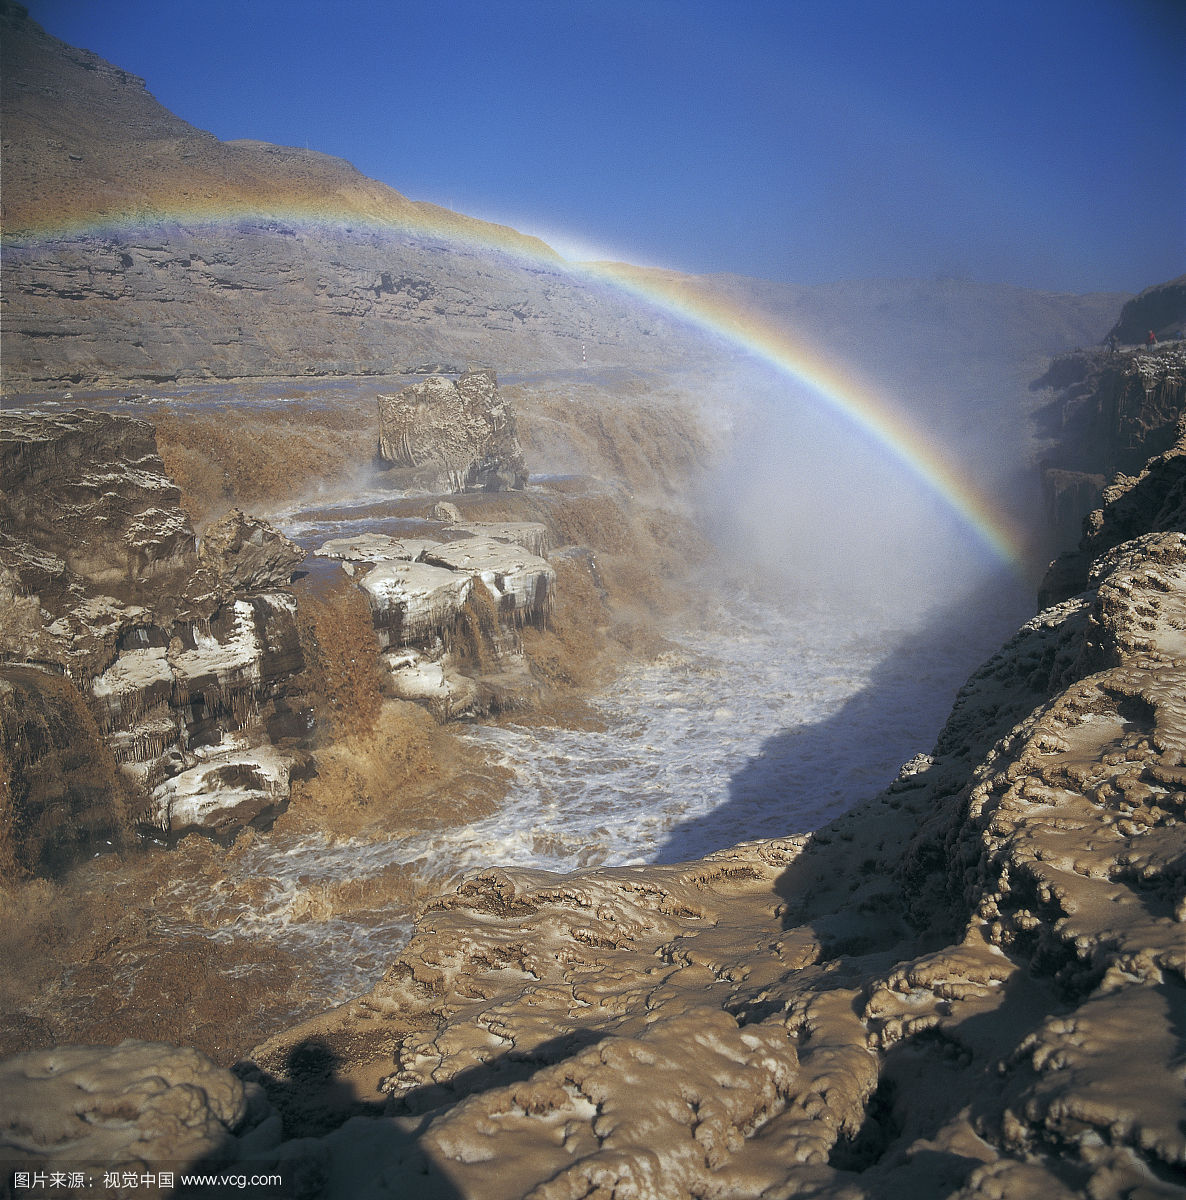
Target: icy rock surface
<point>413,601</point>
<point>520,582</point>
<point>170,649</point>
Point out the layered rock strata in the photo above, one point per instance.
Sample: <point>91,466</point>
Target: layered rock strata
<point>425,594</point>
<point>216,260</point>
<point>1109,411</point>
<point>458,435</point>
<point>178,654</point>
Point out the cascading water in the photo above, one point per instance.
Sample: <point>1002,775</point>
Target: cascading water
<point>762,720</point>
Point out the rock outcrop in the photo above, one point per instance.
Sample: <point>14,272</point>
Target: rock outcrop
<point>456,435</point>
<point>427,596</point>
<point>1161,308</point>
<point>247,554</point>
<point>971,985</point>
<point>1110,411</point>
<point>134,1107</point>
<point>177,656</point>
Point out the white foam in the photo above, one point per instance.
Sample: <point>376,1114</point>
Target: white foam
<point>761,723</point>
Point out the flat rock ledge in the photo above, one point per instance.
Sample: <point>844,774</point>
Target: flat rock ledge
<point>418,590</point>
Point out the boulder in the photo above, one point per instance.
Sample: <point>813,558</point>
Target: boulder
<point>232,785</point>
<point>442,510</point>
<point>458,435</point>
<point>136,1104</point>
<point>432,681</point>
<point>249,554</point>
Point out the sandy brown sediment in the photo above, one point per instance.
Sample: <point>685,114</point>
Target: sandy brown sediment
<point>260,458</point>
<point>123,946</point>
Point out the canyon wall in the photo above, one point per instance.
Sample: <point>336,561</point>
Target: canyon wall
<point>1109,411</point>
<point>969,985</point>
<point>173,659</point>
<point>141,251</point>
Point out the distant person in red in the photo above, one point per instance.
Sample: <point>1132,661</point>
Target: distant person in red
<point>1151,340</point>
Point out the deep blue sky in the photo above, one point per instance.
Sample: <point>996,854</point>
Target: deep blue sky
<point>1037,142</point>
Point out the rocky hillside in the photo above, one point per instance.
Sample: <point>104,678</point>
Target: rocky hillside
<point>140,250</point>
<point>1107,411</point>
<point>1161,308</point>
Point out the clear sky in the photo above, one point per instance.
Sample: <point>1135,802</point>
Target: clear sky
<point>1036,142</point>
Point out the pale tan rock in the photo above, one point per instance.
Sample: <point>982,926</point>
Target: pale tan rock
<point>460,433</point>
<point>138,1103</point>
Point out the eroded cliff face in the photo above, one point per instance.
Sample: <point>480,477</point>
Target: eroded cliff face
<point>139,249</point>
<point>1109,412</point>
<point>177,657</point>
<point>1117,410</point>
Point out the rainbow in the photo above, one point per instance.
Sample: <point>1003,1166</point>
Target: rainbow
<point>677,295</point>
<point>837,388</point>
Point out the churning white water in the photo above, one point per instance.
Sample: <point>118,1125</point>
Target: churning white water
<point>764,720</point>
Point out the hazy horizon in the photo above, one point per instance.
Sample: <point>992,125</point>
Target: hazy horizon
<point>1032,145</point>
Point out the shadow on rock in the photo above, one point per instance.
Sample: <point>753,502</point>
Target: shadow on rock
<point>803,776</point>
<point>338,1145</point>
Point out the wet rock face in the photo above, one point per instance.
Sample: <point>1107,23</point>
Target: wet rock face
<point>86,504</point>
<point>456,435</point>
<point>426,595</point>
<point>176,656</point>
